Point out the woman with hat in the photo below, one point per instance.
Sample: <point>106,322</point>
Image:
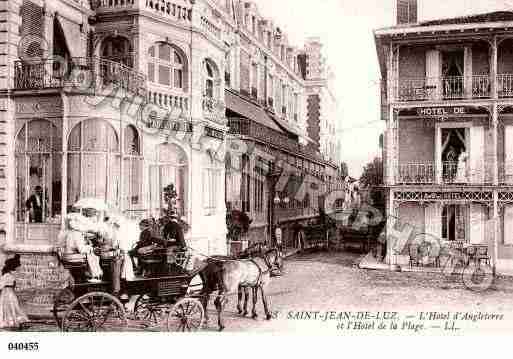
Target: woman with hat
<point>11,314</point>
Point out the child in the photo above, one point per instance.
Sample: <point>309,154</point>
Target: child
<point>11,314</point>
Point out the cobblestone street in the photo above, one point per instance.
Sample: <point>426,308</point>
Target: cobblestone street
<point>320,282</point>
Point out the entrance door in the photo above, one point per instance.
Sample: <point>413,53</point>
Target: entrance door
<point>453,223</point>
<point>453,72</point>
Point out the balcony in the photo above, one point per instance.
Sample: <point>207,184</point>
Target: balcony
<point>425,173</point>
<point>416,173</point>
<point>443,88</point>
<point>166,9</point>
<point>85,74</point>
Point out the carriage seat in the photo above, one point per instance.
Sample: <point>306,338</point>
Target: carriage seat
<point>71,260</point>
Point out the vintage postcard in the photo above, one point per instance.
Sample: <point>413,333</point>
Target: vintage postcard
<point>333,167</point>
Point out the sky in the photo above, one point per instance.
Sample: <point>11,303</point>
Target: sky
<point>345,28</point>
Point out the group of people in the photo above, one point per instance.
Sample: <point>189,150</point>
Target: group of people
<point>88,236</point>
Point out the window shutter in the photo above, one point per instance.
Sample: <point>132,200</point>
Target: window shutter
<point>508,225</point>
<point>508,153</point>
<point>433,219</point>
<point>476,223</point>
<point>31,19</point>
<point>433,73</point>
<point>476,154</point>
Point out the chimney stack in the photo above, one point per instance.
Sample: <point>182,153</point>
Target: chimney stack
<point>406,11</point>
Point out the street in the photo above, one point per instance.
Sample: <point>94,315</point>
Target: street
<point>321,282</point>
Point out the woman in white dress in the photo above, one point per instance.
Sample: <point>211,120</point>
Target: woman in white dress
<point>12,315</point>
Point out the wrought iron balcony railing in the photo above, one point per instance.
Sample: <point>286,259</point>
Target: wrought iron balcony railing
<point>443,88</point>
<point>452,173</point>
<point>416,173</point>
<point>85,74</point>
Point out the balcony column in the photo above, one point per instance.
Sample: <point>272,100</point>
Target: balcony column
<point>467,72</point>
<point>495,154</point>
<point>391,75</point>
<point>495,226</point>
<point>493,67</point>
<point>391,148</point>
<point>438,155</point>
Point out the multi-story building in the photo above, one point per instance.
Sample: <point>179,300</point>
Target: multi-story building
<point>447,103</point>
<point>271,108</point>
<point>117,99</point>
<point>113,100</point>
<point>322,106</point>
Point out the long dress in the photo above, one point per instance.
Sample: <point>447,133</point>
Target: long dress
<point>11,314</point>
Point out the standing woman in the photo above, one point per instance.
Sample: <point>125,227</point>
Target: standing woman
<point>11,314</point>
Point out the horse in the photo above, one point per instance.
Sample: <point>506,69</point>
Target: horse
<point>234,276</point>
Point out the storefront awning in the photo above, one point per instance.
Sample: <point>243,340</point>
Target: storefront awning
<point>249,110</point>
<point>287,126</point>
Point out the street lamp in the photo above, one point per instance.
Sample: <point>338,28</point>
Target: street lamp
<point>277,230</point>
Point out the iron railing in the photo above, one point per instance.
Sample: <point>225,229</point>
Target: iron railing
<point>446,88</point>
<point>83,73</point>
<point>416,173</point>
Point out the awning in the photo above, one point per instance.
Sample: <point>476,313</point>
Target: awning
<point>287,126</point>
<point>249,110</point>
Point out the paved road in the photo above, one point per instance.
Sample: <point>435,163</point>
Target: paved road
<point>330,282</point>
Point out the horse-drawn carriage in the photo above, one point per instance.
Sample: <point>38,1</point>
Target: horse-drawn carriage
<point>95,306</point>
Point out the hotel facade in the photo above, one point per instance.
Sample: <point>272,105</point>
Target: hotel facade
<point>447,102</point>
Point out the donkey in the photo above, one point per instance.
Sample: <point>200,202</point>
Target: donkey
<point>233,276</point>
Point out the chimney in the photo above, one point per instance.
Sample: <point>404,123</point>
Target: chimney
<point>406,11</point>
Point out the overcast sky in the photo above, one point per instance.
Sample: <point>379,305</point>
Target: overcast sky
<point>345,27</point>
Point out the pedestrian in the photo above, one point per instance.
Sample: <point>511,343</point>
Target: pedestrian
<point>12,315</point>
<point>34,205</point>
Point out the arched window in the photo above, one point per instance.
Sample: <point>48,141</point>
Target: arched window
<point>166,66</point>
<point>117,49</point>
<point>38,173</point>
<point>132,169</point>
<point>93,162</point>
<point>171,168</point>
<point>209,80</point>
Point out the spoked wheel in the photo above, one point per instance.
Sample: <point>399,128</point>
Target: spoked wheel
<point>61,303</point>
<point>94,312</point>
<point>148,310</point>
<point>186,316</point>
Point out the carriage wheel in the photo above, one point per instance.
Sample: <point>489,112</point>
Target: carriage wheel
<point>146,309</point>
<point>96,311</point>
<point>185,316</point>
<point>61,304</point>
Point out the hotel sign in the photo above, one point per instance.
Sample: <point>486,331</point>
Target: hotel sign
<point>442,111</point>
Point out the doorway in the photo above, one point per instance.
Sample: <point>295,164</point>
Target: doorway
<point>453,146</point>
<point>453,223</point>
<point>453,73</point>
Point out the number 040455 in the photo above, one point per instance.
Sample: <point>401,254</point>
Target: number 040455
<point>23,346</point>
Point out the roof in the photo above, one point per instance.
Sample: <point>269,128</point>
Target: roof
<point>500,18</point>
<point>495,16</point>
<point>249,110</point>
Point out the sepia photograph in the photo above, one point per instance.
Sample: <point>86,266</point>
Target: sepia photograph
<point>337,167</point>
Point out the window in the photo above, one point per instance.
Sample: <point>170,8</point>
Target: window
<point>211,178</point>
<point>171,168</point>
<point>253,25</point>
<point>211,80</point>
<point>38,173</point>
<point>117,49</point>
<point>94,162</point>
<point>132,169</point>
<point>166,66</point>
<point>254,79</point>
<point>296,106</point>
<point>269,39</point>
<point>245,184</point>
